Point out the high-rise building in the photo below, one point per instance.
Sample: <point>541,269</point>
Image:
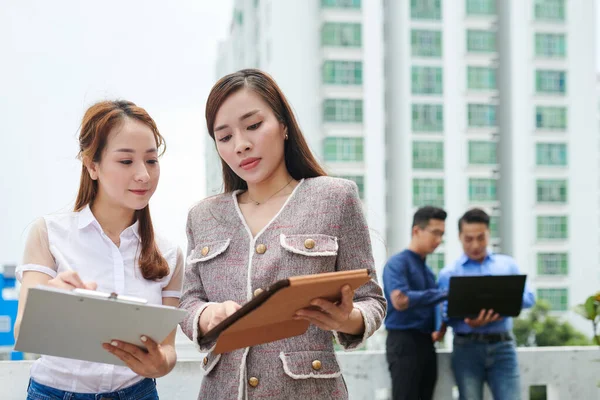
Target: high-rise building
<point>316,52</point>
<point>460,104</point>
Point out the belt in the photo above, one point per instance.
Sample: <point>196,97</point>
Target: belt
<point>487,337</point>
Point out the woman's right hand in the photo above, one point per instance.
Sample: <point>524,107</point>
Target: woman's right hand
<point>70,280</point>
<point>213,314</point>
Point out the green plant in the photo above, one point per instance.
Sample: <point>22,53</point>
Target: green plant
<point>590,310</point>
<point>538,328</point>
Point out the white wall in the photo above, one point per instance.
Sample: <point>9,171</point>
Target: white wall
<point>295,61</point>
<point>569,372</point>
<point>374,129</point>
<point>398,124</point>
<point>582,137</point>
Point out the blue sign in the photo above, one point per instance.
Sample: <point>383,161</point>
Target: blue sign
<point>8,310</point>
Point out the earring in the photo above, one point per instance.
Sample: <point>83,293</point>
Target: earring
<point>286,136</point>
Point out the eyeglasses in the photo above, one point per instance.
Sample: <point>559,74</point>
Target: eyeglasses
<point>436,233</point>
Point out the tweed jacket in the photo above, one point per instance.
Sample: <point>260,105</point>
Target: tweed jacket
<point>225,262</point>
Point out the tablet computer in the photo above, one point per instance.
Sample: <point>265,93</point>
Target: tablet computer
<point>269,316</point>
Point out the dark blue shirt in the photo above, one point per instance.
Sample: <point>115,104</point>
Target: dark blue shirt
<point>407,272</point>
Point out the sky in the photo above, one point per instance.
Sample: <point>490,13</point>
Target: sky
<point>61,56</point>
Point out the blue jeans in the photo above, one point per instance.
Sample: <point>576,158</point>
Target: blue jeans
<point>475,362</point>
<point>143,390</point>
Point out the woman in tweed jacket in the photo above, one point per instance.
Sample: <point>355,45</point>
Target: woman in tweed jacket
<point>280,216</point>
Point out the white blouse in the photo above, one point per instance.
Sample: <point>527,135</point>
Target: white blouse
<point>83,245</point>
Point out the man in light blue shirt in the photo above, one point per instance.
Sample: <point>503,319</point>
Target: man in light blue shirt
<point>484,348</point>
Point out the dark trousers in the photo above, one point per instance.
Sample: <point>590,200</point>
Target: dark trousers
<point>412,362</point>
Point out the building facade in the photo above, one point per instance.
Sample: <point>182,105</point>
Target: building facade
<point>459,104</point>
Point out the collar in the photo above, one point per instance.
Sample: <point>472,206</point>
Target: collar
<point>416,255</point>
<point>464,259</point>
<point>86,218</point>
<point>135,228</point>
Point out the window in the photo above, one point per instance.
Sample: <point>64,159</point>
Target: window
<point>427,118</point>
<point>481,78</point>
<point>550,10</point>
<point>481,7</point>
<point>547,81</point>
<point>552,264</point>
<point>557,298</point>
<point>552,227</point>
<point>426,9</point>
<point>341,34</point>
<point>554,118</point>
<point>427,80</point>
<point>426,43</point>
<point>360,182</point>
<point>340,3</point>
<point>343,110</point>
<point>435,261</point>
<point>481,115</point>
<point>343,149</point>
<point>238,17</point>
<point>481,41</point>
<point>551,190</point>
<point>551,45</point>
<point>481,152</point>
<point>428,155</point>
<point>482,189</point>
<point>428,192</point>
<point>342,72</point>
<point>551,154</point>
<point>494,230</point>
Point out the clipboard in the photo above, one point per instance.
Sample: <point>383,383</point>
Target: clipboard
<point>269,316</point>
<point>468,295</point>
<point>74,324</point>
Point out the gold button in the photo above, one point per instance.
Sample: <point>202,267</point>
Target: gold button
<point>253,381</point>
<point>261,248</point>
<point>309,243</point>
<point>316,365</point>
<point>205,250</point>
<point>258,291</point>
<point>205,361</point>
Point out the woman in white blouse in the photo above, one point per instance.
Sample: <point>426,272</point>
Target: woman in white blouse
<point>107,243</point>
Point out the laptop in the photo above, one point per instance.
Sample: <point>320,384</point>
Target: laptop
<point>468,295</point>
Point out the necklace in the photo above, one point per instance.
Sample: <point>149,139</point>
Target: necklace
<point>269,198</point>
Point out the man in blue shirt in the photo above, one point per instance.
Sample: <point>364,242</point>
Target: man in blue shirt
<point>411,294</point>
<point>484,348</point>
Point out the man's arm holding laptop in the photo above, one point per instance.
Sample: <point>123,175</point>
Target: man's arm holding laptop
<point>528,296</point>
<point>485,316</point>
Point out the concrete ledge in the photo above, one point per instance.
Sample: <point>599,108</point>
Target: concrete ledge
<point>568,372</point>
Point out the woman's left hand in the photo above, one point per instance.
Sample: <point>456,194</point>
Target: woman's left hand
<point>340,317</point>
<point>152,363</point>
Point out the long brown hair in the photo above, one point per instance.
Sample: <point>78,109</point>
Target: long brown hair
<point>299,160</point>
<point>96,125</point>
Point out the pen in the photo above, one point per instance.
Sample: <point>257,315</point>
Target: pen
<point>63,262</point>
<point>60,258</point>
